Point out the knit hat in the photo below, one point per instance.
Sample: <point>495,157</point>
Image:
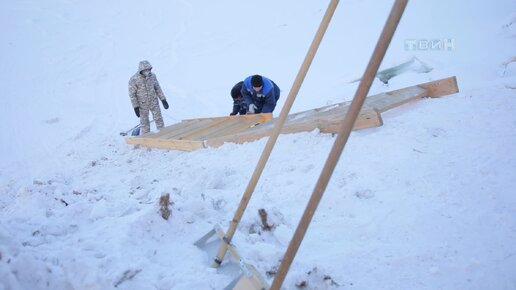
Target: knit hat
<point>256,81</point>
<point>235,91</point>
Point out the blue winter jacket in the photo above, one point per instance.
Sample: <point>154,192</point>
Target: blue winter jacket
<point>265,100</point>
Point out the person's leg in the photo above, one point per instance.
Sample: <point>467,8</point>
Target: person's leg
<point>156,115</point>
<point>144,120</point>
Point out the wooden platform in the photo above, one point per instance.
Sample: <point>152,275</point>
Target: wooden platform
<point>193,134</point>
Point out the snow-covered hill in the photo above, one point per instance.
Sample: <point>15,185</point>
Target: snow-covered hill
<point>426,201</point>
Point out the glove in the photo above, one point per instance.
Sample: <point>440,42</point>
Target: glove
<point>252,108</point>
<point>165,104</point>
<point>137,111</point>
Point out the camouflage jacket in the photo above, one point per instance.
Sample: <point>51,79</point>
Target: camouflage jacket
<point>144,90</point>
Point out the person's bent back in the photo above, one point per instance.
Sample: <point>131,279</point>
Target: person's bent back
<point>260,94</point>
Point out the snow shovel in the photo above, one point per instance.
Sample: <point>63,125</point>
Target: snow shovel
<point>132,131</point>
<point>250,279</point>
<point>340,141</point>
<point>247,277</point>
<point>135,131</point>
<point>219,258</point>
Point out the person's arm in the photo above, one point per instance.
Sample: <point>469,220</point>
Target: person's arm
<point>159,92</point>
<point>270,102</point>
<point>236,108</point>
<point>248,98</point>
<point>134,97</point>
<point>157,88</point>
<point>132,93</point>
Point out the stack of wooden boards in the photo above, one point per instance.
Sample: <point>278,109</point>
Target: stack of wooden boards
<point>192,134</point>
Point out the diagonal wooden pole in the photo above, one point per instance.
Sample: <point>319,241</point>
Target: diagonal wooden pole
<point>340,141</point>
<point>275,133</point>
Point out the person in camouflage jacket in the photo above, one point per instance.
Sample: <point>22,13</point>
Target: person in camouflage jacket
<point>144,92</point>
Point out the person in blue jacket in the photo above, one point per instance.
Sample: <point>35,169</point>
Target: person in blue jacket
<point>239,105</point>
<point>260,94</point>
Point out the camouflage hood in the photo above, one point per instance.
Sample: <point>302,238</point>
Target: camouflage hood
<point>144,64</point>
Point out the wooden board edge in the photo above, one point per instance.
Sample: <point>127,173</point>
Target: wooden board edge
<point>442,87</point>
<point>368,118</point>
<point>183,145</point>
<point>234,128</point>
<point>419,93</point>
<point>266,117</point>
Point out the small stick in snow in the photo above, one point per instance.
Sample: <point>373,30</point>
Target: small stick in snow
<point>301,284</point>
<point>263,217</point>
<point>128,275</point>
<point>164,201</point>
<point>62,200</point>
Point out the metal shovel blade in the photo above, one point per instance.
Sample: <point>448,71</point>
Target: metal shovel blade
<point>211,242</point>
<point>247,277</point>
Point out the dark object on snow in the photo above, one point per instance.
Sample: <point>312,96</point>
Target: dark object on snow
<point>126,276</point>
<point>301,284</point>
<point>317,280</point>
<point>263,217</point>
<point>164,201</point>
<point>137,111</point>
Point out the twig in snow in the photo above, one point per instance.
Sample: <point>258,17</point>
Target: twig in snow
<point>263,217</point>
<point>315,278</point>
<point>164,201</point>
<point>62,200</point>
<point>128,275</point>
<point>418,151</point>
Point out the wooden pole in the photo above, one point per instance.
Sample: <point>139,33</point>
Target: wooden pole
<point>340,141</point>
<point>275,133</point>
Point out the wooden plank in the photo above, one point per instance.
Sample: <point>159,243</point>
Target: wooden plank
<point>227,125</point>
<point>330,124</point>
<point>198,125</point>
<point>265,116</point>
<point>320,110</point>
<point>234,127</point>
<point>295,123</point>
<point>442,87</point>
<point>367,119</point>
<point>223,125</point>
<point>199,132</point>
<point>168,129</point>
<point>183,145</point>
<point>386,101</point>
<point>187,128</point>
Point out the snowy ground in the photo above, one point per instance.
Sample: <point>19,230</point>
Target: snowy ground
<point>426,201</point>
